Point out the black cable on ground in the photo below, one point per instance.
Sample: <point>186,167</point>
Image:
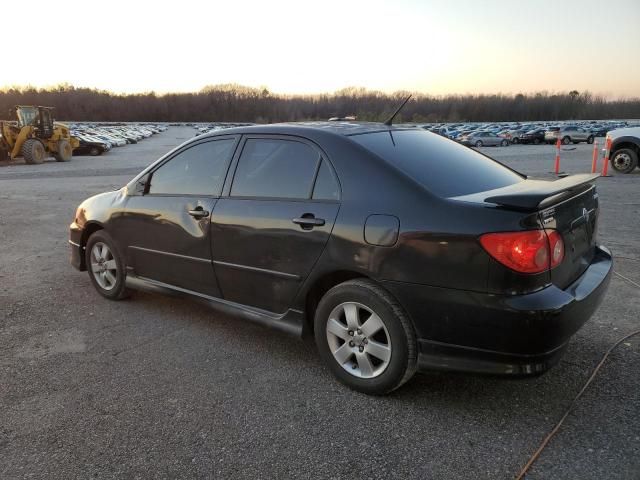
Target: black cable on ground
<point>548,438</point>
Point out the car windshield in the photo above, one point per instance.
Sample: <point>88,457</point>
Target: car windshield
<point>442,166</point>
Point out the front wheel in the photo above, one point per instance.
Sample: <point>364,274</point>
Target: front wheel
<point>515,141</point>
<point>365,338</point>
<point>566,140</point>
<point>504,143</point>
<point>106,266</point>
<point>65,152</point>
<point>624,160</point>
<point>536,141</point>
<point>479,143</point>
<point>590,140</point>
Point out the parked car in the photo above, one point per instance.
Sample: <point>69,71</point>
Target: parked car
<point>625,149</point>
<point>483,139</point>
<point>568,134</point>
<point>284,225</point>
<point>599,130</point>
<point>88,147</point>
<point>535,136</point>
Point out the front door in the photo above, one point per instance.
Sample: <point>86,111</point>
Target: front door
<point>166,231</point>
<point>272,227</point>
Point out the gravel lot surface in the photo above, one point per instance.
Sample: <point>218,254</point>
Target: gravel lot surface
<point>161,387</point>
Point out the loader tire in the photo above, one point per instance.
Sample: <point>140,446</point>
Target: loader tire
<point>33,151</point>
<point>4,155</point>
<point>65,152</point>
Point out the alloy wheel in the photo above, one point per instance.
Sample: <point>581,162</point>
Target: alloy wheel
<point>104,266</point>
<point>358,340</point>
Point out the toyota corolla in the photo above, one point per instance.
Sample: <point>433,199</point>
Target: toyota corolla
<point>396,248</point>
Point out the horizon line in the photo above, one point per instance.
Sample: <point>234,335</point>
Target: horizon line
<point>343,90</point>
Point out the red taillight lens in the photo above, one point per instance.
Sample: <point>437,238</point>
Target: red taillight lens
<point>529,251</point>
<point>556,247</point>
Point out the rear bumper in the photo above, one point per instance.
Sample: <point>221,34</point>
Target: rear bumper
<point>499,334</point>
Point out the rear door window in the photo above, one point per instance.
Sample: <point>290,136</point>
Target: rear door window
<point>275,168</point>
<point>442,166</point>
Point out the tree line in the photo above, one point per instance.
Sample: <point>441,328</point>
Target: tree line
<point>236,103</point>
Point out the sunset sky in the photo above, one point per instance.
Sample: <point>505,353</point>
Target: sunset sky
<point>435,47</point>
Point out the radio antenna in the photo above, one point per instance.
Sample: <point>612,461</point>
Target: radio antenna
<point>390,120</point>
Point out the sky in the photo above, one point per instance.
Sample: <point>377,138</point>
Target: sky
<point>434,47</point>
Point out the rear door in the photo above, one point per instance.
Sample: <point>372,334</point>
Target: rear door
<point>270,228</point>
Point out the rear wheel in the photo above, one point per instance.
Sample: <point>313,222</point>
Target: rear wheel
<point>105,266</point>
<point>33,151</point>
<point>590,140</point>
<point>566,140</point>
<point>624,160</point>
<point>479,143</point>
<point>365,338</point>
<point>515,141</point>
<point>536,141</point>
<point>504,143</point>
<point>94,152</point>
<point>65,152</point>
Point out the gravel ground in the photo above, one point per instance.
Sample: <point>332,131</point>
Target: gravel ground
<point>160,387</point>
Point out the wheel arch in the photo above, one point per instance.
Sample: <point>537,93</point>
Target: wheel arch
<point>89,229</point>
<point>318,288</point>
<point>633,144</point>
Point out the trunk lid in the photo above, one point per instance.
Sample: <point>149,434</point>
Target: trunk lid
<point>568,205</point>
<point>575,218</point>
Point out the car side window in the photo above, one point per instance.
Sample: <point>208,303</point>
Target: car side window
<point>275,168</point>
<point>199,170</point>
<point>326,186</point>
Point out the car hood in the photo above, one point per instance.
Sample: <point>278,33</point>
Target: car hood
<point>624,132</point>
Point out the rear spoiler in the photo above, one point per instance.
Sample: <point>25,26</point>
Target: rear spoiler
<point>539,194</point>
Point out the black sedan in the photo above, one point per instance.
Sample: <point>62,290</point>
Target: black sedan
<point>88,147</point>
<point>396,248</point>
<point>532,136</point>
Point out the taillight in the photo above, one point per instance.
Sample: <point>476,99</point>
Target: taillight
<point>528,251</point>
<point>556,247</point>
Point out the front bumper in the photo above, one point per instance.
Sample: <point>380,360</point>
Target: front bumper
<point>500,334</point>
<point>76,249</point>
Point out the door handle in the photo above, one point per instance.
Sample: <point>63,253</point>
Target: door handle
<point>308,221</point>
<point>198,212</point>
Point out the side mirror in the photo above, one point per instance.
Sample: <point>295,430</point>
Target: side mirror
<point>141,185</point>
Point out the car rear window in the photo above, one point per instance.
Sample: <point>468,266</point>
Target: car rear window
<point>442,166</point>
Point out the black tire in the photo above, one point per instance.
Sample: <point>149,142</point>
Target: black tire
<point>504,143</point>
<point>515,141</point>
<point>566,140</point>
<point>479,143</point>
<point>536,141</point>
<point>4,155</point>
<point>65,152</point>
<point>94,151</point>
<point>590,140</point>
<point>119,290</point>
<point>624,160</point>
<point>404,354</point>
<point>33,151</point>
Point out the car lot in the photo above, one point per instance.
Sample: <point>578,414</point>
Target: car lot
<point>163,387</point>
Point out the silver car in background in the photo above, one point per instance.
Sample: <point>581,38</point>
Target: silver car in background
<point>568,134</point>
<point>483,139</point>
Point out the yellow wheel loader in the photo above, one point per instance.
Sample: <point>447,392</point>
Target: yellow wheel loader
<point>35,136</point>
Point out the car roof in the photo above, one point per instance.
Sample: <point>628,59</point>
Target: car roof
<point>346,128</point>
